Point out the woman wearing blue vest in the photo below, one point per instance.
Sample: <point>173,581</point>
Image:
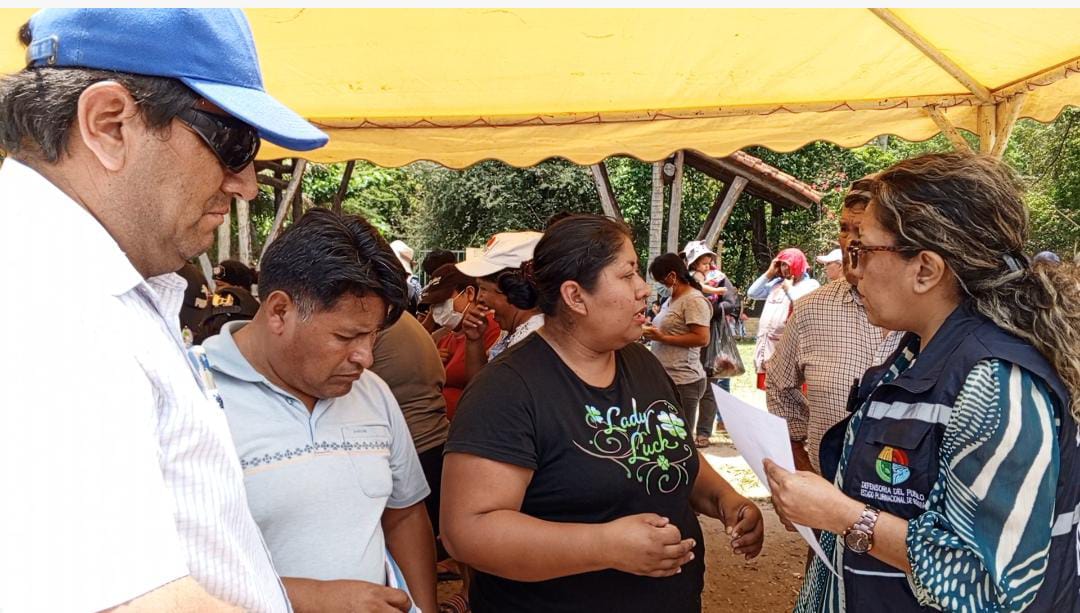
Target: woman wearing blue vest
<point>955,484</point>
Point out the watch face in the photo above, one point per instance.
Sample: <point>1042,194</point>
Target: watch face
<point>857,541</point>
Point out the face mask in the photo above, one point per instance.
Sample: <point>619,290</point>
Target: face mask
<point>445,315</point>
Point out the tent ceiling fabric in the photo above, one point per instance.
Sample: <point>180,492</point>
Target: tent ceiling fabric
<point>458,86</point>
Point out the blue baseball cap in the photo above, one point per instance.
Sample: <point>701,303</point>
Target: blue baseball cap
<point>211,51</point>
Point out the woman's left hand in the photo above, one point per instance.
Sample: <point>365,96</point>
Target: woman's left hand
<point>743,523</point>
<point>806,498</point>
<point>651,333</point>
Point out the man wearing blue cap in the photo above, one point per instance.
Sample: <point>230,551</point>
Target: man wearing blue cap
<point>127,134</point>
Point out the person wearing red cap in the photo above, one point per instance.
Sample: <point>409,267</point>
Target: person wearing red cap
<point>783,283</point>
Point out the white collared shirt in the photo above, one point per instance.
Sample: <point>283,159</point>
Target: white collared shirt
<point>117,471</point>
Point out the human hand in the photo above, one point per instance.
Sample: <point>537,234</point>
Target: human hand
<point>807,499</point>
<point>651,333</point>
<point>352,596</point>
<point>786,284</point>
<point>743,523</point>
<point>774,269</point>
<point>647,544</point>
<point>474,322</point>
<point>444,355</point>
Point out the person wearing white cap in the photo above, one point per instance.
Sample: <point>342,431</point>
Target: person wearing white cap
<point>827,344</point>
<point>834,264</point>
<point>406,255</point>
<point>502,269</point>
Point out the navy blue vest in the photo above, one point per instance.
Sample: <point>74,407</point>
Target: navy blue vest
<point>905,420</point>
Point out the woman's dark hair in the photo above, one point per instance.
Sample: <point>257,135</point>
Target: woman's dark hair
<point>325,256</point>
<point>517,289</point>
<point>437,258</point>
<point>38,105</point>
<point>575,248</point>
<point>669,263</point>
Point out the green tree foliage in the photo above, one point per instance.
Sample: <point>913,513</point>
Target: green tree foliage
<point>463,208</point>
<point>431,206</point>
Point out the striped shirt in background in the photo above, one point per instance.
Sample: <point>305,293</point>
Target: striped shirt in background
<point>827,344</point>
<point>118,471</point>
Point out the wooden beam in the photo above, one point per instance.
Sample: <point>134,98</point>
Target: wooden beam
<point>656,211</point>
<point>243,230</point>
<point>1005,117</point>
<point>283,207</point>
<point>760,186</point>
<point>675,209</point>
<point>947,128</point>
<point>1040,79</point>
<point>344,187</point>
<point>986,124</point>
<point>608,202</point>
<point>929,50</point>
<point>271,181</point>
<point>275,166</point>
<point>731,196</point>
<point>224,238</point>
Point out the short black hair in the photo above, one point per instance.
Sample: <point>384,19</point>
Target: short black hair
<point>327,255</point>
<point>575,248</point>
<point>437,258</point>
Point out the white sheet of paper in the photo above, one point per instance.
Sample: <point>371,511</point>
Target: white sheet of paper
<point>757,435</point>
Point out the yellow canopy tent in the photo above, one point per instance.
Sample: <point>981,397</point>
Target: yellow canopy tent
<point>521,85</point>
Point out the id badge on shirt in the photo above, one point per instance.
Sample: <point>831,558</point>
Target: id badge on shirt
<point>200,366</point>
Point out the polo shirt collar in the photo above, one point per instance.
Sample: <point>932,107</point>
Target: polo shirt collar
<point>97,251</point>
<point>229,360</point>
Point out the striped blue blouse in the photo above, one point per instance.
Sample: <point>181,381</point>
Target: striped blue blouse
<point>982,543</point>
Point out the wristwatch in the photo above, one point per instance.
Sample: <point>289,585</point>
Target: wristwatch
<point>859,538</point>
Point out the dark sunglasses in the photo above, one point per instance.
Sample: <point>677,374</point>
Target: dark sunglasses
<point>234,142</point>
<point>856,247</point>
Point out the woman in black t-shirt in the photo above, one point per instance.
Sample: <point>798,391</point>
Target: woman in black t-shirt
<point>571,480</point>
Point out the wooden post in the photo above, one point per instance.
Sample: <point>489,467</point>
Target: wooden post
<point>286,198</point>
<point>1005,119</point>
<point>675,210</point>
<point>656,211</point>
<point>608,201</point>
<point>723,213</point>
<point>759,241</point>
<point>297,200</point>
<point>987,120</point>
<point>224,238</point>
<point>344,187</point>
<point>207,271</point>
<point>947,128</point>
<point>243,230</point>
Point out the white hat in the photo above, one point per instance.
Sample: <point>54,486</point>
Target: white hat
<point>833,256</point>
<point>696,249</point>
<point>404,254</point>
<point>504,250</point>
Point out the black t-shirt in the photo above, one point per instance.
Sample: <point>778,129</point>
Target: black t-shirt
<point>597,455</point>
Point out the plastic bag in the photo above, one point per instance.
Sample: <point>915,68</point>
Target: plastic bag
<point>726,361</point>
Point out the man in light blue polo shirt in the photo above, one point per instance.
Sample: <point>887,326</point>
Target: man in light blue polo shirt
<point>331,473</point>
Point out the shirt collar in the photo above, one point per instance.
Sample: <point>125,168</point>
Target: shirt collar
<point>96,250</point>
<point>226,357</point>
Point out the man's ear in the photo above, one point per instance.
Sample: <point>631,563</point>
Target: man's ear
<point>574,297</point>
<point>930,272</point>
<point>108,119</point>
<point>280,311</point>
